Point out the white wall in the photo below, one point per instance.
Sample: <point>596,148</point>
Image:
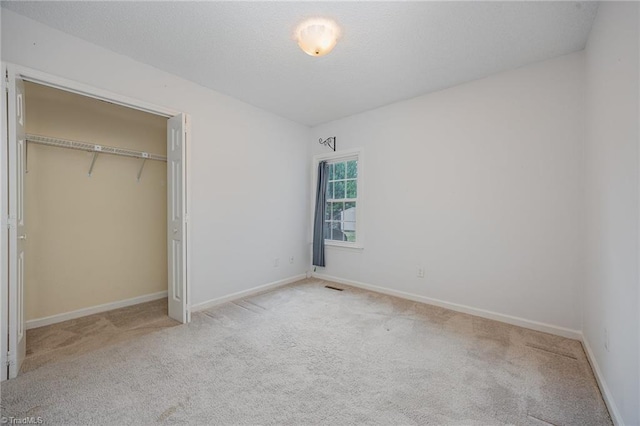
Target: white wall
<point>611,291</point>
<point>248,168</point>
<point>480,184</point>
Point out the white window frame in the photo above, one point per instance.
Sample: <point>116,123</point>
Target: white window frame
<point>336,157</point>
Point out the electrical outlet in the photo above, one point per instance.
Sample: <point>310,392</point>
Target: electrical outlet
<point>276,262</point>
<point>606,340</point>
<point>291,259</point>
<point>420,272</point>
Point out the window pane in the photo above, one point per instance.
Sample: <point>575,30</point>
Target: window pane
<point>329,190</point>
<point>327,211</point>
<point>348,226</point>
<point>330,171</point>
<point>352,189</point>
<point>352,169</point>
<point>339,170</point>
<point>336,210</point>
<point>339,190</point>
<point>327,230</point>
<point>336,233</point>
<point>349,213</point>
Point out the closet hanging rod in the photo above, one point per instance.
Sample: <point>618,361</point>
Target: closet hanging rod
<point>84,146</point>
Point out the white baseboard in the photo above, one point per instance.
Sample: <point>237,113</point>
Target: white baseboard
<point>241,294</point>
<point>53,319</point>
<point>604,389</point>
<point>521,322</point>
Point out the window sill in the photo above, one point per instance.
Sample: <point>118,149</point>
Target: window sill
<point>336,244</point>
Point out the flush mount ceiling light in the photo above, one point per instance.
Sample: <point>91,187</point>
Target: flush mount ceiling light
<point>317,36</point>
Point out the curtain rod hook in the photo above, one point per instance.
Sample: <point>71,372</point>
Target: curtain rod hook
<point>330,142</point>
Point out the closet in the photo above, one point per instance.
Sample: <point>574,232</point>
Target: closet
<point>95,194</point>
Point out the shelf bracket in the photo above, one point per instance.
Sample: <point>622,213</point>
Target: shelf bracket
<point>144,157</point>
<point>96,151</point>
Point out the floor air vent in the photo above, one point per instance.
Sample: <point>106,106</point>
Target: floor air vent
<point>333,288</point>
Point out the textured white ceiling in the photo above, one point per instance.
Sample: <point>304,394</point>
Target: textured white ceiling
<point>389,51</point>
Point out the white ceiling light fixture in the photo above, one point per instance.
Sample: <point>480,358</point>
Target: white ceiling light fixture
<point>317,36</point>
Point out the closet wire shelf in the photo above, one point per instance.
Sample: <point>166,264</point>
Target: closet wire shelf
<point>96,149</point>
<point>84,146</point>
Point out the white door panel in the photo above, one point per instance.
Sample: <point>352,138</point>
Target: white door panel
<point>176,234</point>
<point>4,230</point>
<point>17,235</point>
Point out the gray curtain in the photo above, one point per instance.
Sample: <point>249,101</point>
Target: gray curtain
<point>318,220</point>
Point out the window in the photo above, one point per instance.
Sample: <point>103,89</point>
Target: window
<point>342,199</point>
<point>342,210</point>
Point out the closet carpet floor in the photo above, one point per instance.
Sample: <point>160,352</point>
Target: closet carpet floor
<point>58,342</point>
<point>305,354</point>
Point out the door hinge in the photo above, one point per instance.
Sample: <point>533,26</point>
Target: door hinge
<point>9,360</point>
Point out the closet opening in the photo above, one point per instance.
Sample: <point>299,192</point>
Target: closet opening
<point>82,213</point>
<point>95,205</point>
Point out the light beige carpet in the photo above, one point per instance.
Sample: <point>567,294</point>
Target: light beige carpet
<point>305,354</point>
<point>57,342</point>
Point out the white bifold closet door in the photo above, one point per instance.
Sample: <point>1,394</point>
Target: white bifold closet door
<point>16,223</point>
<point>176,233</point>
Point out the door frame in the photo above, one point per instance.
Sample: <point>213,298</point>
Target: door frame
<point>46,79</point>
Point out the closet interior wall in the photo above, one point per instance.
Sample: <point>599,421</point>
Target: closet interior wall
<point>99,239</point>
